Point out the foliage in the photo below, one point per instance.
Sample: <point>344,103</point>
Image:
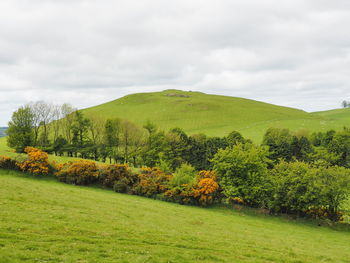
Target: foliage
<point>185,174</point>
<point>20,131</point>
<point>37,162</point>
<point>80,172</point>
<point>152,181</point>
<point>7,163</point>
<point>302,189</point>
<point>118,177</point>
<point>206,189</point>
<point>242,171</point>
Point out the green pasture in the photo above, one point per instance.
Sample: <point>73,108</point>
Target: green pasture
<point>43,220</point>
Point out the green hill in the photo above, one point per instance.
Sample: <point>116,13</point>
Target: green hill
<point>46,221</point>
<point>214,115</point>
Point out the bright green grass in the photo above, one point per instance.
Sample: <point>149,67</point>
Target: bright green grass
<point>215,115</point>
<point>46,221</point>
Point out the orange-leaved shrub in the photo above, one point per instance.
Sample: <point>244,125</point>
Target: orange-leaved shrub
<point>80,172</point>
<point>151,182</point>
<point>7,163</point>
<point>206,190</point>
<point>117,176</point>
<point>37,162</point>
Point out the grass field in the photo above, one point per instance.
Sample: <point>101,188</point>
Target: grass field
<point>215,115</point>
<point>46,221</point>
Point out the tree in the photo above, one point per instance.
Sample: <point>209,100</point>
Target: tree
<point>111,138</point>
<point>43,115</point>
<point>80,129</point>
<point>279,142</point>
<point>131,141</point>
<point>20,132</point>
<point>67,115</point>
<point>154,145</point>
<point>345,104</point>
<point>242,172</point>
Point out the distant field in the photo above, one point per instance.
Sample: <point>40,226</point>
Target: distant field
<point>46,221</point>
<point>3,131</point>
<point>214,115</point>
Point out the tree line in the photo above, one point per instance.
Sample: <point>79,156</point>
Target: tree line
<point>291,172</point>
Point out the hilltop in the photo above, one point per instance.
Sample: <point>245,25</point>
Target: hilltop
<point>215,115</point>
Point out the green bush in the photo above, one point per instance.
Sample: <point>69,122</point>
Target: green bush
<point>184,175</point>
<point>242,172</point>
<point>304,190</point>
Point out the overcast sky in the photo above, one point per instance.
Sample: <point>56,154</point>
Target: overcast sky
<point>85,52</point>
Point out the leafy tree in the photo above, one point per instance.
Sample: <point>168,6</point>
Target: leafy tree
<point>198,152</point>
<point>154,145</point>
<point>111,138</point>
<point>20,132</point>
<point>340,145</point>
<point>242,171</point>
<point>234,138</point>
<point>80,129</point>
<point>301,148</point>
<point>279,142</point>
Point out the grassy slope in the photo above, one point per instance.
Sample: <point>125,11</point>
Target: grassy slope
<point>211,114</point>
<point>46,221</point>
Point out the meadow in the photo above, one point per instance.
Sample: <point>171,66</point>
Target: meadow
<point>43,220</point>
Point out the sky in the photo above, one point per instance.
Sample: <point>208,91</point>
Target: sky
<point>86,52</point>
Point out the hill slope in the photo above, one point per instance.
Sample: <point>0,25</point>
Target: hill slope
<point>43,220</point>
<point>213,115</point>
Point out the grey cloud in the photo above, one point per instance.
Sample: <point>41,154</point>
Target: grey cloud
<point>292,53</point>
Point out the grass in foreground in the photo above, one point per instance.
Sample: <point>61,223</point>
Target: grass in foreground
<point>46,221</point>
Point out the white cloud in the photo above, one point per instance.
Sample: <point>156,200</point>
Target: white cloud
<point>293,53</point>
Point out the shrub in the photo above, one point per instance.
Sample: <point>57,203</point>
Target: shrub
<point>184,175</point>
<point>7,163</point>
<point>37,162</point>
<point>308,191</point>
<point>206,189</point>
<point>242,171</point>
<point>202,189</point>
<point>111,173</point>
<point>81,172</point>
<point>152,181</point>
<point>118,177</point>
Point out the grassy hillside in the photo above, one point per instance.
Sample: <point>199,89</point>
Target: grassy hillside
<point>212,114</point>
<point>46,221</point>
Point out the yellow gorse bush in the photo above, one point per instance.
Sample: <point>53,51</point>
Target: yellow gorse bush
<point>206,188</point>
<point>81,172</point>
<point>37,162</point>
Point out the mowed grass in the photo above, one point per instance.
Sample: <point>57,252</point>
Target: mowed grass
<point>215,115</point>
<point>46,221</point>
